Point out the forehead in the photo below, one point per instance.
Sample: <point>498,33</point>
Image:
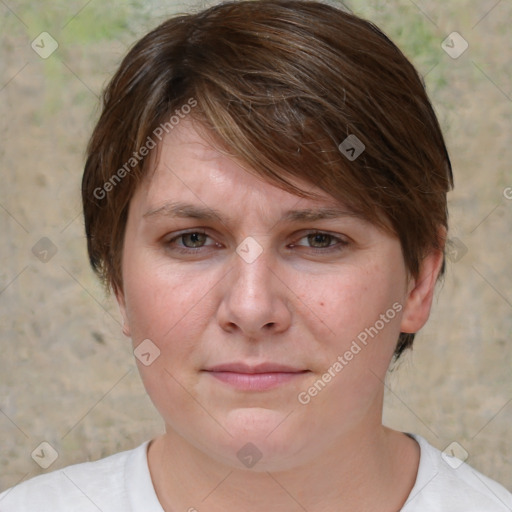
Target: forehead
<point>189,168</point>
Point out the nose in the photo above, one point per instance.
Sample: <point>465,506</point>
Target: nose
<point>256,300</point>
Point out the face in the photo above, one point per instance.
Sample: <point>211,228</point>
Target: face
<point>271,318</point>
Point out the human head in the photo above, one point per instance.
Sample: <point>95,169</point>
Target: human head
<point>279,85</point>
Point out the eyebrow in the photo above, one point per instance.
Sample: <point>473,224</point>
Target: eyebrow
<point>178,209</point>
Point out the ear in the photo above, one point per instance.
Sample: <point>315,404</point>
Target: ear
<point>421,292</point>
<point>119,293</point>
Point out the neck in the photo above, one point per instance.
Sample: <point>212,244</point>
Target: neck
<point>371,469</point>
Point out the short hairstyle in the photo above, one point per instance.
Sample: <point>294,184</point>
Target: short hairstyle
<point>279,85</point>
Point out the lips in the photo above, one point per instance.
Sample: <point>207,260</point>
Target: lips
<point>252,369</point>
<point>260,377</point>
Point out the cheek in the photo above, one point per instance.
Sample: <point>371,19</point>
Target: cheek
<point>357,313</point>
<point>161,302</point>
<point>360,312</point>
<point>346,301</point>
<point>165,307</point>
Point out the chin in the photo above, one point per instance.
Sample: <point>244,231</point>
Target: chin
<point>262,440</point>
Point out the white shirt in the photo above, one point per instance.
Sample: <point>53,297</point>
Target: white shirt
<point>122,483</point>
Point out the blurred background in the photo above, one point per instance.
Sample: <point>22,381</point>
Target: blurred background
<point>67,374</point>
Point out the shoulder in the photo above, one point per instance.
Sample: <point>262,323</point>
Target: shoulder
<point>100,485</point>
<point>446,484</point>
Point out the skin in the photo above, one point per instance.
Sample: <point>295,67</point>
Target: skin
<point>300,303</point>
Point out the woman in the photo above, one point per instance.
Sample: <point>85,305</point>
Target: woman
<point>265,193</point>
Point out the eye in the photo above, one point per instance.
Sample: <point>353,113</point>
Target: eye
<point>322,242</point>
<point>188,242</point>
<point>322,239</point>
<point>196,239</point>
<point>195,242</point>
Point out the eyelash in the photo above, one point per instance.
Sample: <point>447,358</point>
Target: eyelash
<point>339,246</point>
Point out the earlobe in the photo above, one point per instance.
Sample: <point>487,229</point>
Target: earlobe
<point>118,291</point>
<point>126,329</point>
<point>421,293</point>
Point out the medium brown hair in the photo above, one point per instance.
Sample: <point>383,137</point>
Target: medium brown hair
<point>279,84</point>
